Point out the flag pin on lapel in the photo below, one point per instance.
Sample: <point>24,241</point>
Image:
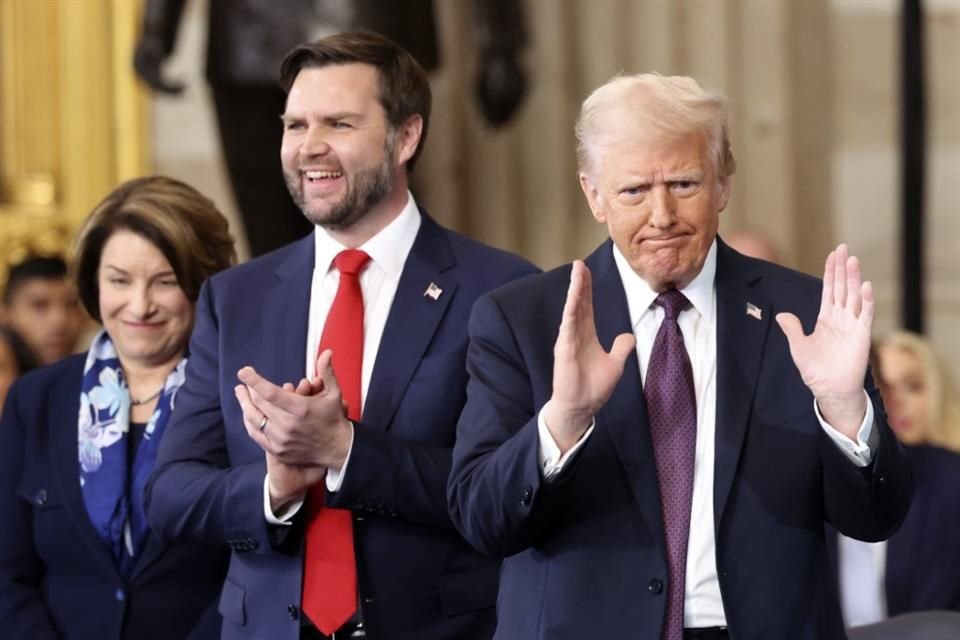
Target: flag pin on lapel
<point>754,311</point>
<point>433,291</point>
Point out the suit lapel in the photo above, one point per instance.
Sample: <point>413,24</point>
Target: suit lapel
<point>743,323</point>
<point>64,403</point>
<point>624,417</point>
<point>280,342</point>
<point>284,316</point>
<point>414,318</point>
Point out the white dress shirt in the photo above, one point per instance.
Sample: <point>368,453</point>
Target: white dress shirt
<point>703,606</point>
<point>862,568</point>
<point>388,251</point>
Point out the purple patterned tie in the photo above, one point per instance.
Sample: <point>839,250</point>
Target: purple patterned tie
<point>672,407</point>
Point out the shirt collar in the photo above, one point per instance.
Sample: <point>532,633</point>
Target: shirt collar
<point>388,249</point>
<point>640,296</point>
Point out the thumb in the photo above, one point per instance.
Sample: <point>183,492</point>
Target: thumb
<point>623,346</point>
<point>325,377</point>
<point>791,327</point>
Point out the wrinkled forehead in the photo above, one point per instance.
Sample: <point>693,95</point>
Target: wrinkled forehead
<point>650,153</point>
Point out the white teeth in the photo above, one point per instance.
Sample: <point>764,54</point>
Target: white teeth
<point>319,175</point>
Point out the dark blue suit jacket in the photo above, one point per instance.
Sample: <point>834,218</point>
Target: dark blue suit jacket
<point>923,556</point>
<point>418,578</point>
<point>57,577</point>
<point>584,553</point>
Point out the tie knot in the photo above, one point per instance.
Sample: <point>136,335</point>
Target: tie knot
<point>351,261</point>
<point>673,302</point>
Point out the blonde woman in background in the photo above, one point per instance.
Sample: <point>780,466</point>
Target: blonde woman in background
<point>915,570</point>
<point>918,391</point>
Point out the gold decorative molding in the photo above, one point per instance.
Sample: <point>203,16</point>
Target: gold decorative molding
<point>72,118</point>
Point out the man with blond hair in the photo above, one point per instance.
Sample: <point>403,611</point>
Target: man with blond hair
<point>650,455</point>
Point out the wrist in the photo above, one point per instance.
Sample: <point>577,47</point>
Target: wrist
<point>340,448</point>
<point>566,425</point>
<point>844,413</point>
<point>279,499</point>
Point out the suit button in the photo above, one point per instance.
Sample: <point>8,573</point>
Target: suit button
<point>119,595</point>
<point>527,496</point>
<point>41,498</point>
<point>293,612</point>
<point>655,587</point>
<point>368,601</point>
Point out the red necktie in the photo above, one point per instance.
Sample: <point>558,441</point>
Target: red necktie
<point>330,571</point>
<point>672,408</point>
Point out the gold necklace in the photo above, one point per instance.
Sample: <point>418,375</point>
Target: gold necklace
<point>147,399</point>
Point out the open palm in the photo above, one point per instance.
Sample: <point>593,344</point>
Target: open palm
<point>584,374</point>
<point>832,360</point>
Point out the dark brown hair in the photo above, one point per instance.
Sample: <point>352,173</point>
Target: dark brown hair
<point>183,224</point>
<point>404,86</point>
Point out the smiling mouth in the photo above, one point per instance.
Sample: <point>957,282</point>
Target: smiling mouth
<point>316,176</point>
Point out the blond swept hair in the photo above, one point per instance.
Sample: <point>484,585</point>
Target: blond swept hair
<point>664,106</point>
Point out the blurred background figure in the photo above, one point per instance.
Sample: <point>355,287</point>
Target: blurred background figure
<point>40,304</point>
<point>77,558</point>
<point>918,391</point>
<point>916,570</point>
<point>753,243</point>
<point>15,360</point>
<point>247,40</point>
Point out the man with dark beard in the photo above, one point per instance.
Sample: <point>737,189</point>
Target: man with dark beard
<point>314,432</point>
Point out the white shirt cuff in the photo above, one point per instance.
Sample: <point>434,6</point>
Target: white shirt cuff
<point>860,452</point>
<point>283,517</point>
<point>548,453</point>
<point>335,476</point>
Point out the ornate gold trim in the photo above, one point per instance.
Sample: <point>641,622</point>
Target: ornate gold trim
<point>72,119</point>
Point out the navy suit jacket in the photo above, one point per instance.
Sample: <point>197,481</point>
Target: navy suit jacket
<point>584,553</point>
<point>923,556</point>
<point>57,577</point>
<point>418,578</point>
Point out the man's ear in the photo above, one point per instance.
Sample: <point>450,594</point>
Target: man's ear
<point>723,197</point>
<point>408,138</point>
<point>590,190</point>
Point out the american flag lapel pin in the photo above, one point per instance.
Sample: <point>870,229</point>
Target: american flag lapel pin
<point>754,311</point>
<point>433,291</point>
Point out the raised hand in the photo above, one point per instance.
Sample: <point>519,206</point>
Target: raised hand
<point>833,359</point>
<point>309,428</point>
<point>584,375</point>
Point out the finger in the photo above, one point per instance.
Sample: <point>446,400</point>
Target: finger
<point>252,413</point>
<point>792,329</point>
<point>267,391</point>
<point>840,276</point>
<point>304,388</point>
<point>573,293</point>
<point>853,286</point>
<point>866,314</point>
<point>578,307</point>
<point>288,386</point>
<point>252,418</point>
<point>325,376</point>
<point>826,298</point>
<point>624,345</point>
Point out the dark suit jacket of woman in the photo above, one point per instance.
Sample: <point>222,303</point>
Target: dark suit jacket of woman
<point>57,577</point>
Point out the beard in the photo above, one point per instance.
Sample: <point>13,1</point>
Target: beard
<point>365,190</point>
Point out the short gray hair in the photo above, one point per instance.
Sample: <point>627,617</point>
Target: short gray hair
<point>671,106</point>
